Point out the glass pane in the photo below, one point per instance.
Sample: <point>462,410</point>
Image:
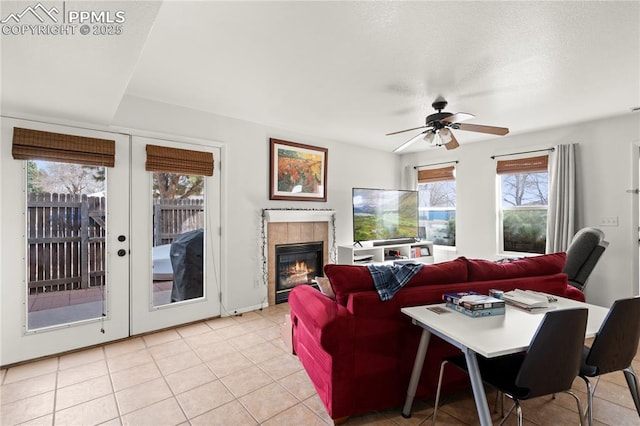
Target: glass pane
<point>525,230</point>
<point>66,229</point>
<point>178,237</point>
<point>524,219</point>
<point>437,212</point>
<point>525,189</point>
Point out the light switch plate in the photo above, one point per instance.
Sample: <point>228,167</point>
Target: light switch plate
<point>609,221</point>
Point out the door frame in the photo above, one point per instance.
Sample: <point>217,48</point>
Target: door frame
<point>635,217</point>
<point>18,343</point>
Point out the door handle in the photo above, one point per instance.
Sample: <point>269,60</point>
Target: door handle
<point>122,252</point>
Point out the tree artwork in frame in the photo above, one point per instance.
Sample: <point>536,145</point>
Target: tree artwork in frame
<point>297,172</point>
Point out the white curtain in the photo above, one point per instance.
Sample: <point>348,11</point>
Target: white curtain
<point>410,178</point>
<point>561,208</point>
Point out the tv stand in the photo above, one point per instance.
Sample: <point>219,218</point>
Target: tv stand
<point>421,251</point>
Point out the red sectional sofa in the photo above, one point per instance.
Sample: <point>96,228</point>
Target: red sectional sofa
<point>358,350</point>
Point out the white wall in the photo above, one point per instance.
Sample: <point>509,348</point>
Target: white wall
<point>604,174</point>
<point>246,186</point>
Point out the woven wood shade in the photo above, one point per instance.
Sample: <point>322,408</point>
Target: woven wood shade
<point>182,161</point>
<point>523,165</point>
<point>38,145</point>
<point>441,174</point>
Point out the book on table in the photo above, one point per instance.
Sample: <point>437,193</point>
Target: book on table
<point>475,313</point>
<point>474,304</point>
<point>473,301</point>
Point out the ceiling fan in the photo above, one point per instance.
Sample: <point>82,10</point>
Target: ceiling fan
<point>439,126</point>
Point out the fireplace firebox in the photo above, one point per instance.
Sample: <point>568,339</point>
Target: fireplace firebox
<point>297,264</point>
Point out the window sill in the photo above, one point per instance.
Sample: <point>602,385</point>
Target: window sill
<point>445,248</point>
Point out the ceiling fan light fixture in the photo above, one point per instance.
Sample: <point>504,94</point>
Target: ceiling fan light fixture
<point>445,136</point>
<point>429,137</point>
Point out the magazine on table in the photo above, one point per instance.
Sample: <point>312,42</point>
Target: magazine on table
<point>529,299</point>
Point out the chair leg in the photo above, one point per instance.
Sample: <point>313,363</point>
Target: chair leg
<point>519,412</point>
<point>632,382</point>
<point>515,405</point>
<point>499,399</point>
<point>589,413</point>
<point>578,404</point>
<point>437,401</point>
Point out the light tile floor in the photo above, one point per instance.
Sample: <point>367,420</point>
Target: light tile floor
<point>230,371</point>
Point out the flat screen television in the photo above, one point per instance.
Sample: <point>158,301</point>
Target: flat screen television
<point>384,214</point>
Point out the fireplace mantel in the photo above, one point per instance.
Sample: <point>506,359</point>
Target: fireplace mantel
<point>289,226</point>
<point>273,215</point>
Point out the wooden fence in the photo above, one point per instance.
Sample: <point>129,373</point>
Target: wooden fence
<point>173,217</point>
<point>66,237</point>
<point>66,241</point>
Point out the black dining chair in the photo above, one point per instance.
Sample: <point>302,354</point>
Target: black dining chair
<point>613,349</point>
<point>549,366</point>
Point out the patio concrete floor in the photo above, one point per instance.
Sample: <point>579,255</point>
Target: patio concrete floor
<point>61,307</point>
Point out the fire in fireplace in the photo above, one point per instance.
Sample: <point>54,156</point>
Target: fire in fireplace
<point>296,264</point>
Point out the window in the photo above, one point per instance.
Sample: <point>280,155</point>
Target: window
<point>437,204</point>
<point>524,197</point>
<point>179,222</point>
<point>66,225</point>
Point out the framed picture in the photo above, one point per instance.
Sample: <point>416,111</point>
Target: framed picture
<point>297,172</point>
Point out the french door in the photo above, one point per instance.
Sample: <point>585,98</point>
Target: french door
<point>79,263</point>
<point>63,250</point>
<point>175,247</point>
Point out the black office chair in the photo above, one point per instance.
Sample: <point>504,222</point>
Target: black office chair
<point>613,349</point>
<point>583,254</point>
<point>549,366</point>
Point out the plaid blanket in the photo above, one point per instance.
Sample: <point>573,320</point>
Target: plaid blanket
<point>388,279</point>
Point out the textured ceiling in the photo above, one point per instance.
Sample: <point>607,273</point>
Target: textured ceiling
<point>347,71</point>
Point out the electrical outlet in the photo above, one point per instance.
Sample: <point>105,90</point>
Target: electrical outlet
<point>609,221</point>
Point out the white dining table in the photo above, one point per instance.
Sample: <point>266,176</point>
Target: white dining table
<point>489,336</point>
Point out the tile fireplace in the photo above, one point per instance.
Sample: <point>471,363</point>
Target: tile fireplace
<point>292,241</point>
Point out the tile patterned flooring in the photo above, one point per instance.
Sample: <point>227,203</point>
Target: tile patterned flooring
<point>231,371</point>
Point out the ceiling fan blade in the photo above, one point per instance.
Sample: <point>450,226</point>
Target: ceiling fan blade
<point>409,142</point>
<point>448,140</point>
<point>406,130</point>
<point>425,134</point>
<point>501,131</point>
<point>458,117</point>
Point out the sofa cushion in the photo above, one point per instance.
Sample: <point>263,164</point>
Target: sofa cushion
<point>571,292</point>
<point>547,264</point>
<point>452,271</point>
<point>346,279</point>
